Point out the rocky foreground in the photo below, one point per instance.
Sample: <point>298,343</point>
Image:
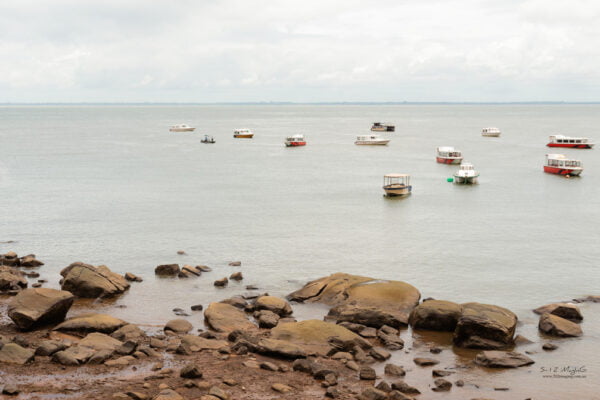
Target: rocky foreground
<point>253,347</point>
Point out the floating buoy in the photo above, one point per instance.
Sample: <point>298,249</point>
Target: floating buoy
<point>450,180</point>
<point>567,176</point>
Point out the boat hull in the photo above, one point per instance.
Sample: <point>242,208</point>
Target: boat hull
<point>572,145</point>
<point>445,160</point>
<point>490,134</point>
<point>244,136</point>
<point>465,180</point>
<point>384,129</point>
<point>397,190</point>
<point>371,143</point>
<point>182,129</point>
<point>563,171</point>
<point>295,144</point>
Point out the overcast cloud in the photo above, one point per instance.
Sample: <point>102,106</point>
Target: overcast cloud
<point>302,51</point>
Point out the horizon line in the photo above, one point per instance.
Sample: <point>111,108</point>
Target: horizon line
<point>149,103</point>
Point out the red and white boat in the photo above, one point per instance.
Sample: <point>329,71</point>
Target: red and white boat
<point>572,142</point>
<point>295,140</point>
<point>448,155</point>
<point>559,164</point>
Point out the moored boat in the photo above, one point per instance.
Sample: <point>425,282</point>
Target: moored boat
<point>448,155</point>
<point>371,140</point>
<point>295,140</point>
<point>181,128</point>
<point>243,134</point>
<point>490,132</point>
<point>571,142</point>
<point>208,139</point>
<point>383,127</point>
<point>466,174</point>
<point>396,184</point>
<point>561,165</point>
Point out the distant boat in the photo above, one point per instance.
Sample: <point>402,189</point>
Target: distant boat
<point>371,140</point>
<point>559,164</point>
<point>181,128</point>
<point>383,127</point>
<point>208,139</point>
<point>397,184</point>
<point>295,140</point>
<point>466,174</point>
<point>490,132</point>
<point>448,155</point>
<point>243,134</point>
<point>572,142</point>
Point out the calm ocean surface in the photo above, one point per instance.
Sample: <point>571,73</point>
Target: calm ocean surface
<point>110,185</point>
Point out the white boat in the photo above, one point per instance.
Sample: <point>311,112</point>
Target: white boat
<point>181,128</point>
<point>559,164</point>
<point>396,184</point>
<point>243,134</point>
<point>448,155</point>
<point>490,132</point>
<point>466,174</point>
<point>295,140</point>
<point>571,142</point>
<point>371,140</point>
<point>383,127</point>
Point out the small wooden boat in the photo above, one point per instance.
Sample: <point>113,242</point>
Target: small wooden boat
<point>371,140</point>
<point>448,155</point>
<point>490,132</point>
<point>571,142</point>
<point>559,164</point>
<point>208,139</point>
<point>181,128</point>
<point>295,140</point>
<point>396,185</point>
<point>383,127</point>
<point>243,134</point>
<point>466,174</point>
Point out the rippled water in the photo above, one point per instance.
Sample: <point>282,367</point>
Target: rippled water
<point>110,185</point>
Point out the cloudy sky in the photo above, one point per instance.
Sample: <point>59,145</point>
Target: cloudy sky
<point>299,50</point>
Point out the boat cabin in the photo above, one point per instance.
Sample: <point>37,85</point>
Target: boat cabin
<point>560,161</point>
<point>448,152</point>
<point>383,127</point>
<point>560,139</point>
<point>396,179</point>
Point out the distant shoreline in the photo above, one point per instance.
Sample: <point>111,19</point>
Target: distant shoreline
<point>275,103</point>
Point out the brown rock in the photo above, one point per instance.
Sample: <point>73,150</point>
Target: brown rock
<point>556,326</point>
<point>273,304</point>
<point>563,310</point>
<point>226,318</point>
<point>394,370</point>
<point>425,362</point>
<point>267,319</point>
<point>371,393</point>
<point>168,394</point>
<point>435,315</point>
<point>485,326</point>
<point>11,278</point>
<point>404,387</point>
<point>441,385</point>
<point>91,323</point>
<point>236,276</point>
<point>132,277</point>
<point>235,264</point>
<point>502,359</point>
<point>99,341</point>
<point>191,371</point>
<point>178,326</point>
<point>281,388</point>
<point>35,307</point>
<point>167,270</point>
<point>85,280</point>
<point>12,353</point>
<point>367,374</point>
<point>362,300</point>
<point>221,282</point>
<point>29,261</point>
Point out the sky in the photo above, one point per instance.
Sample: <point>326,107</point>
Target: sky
<point>299,51</point>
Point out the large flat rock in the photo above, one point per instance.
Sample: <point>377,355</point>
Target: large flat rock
<point>362,299</point>
<point>436,315</point>
<point>485,326</point>
<point>84,280</point>
<point>35,307</point>
<point>91,322</point>
<point>223,317</point>
<point>502,359</point>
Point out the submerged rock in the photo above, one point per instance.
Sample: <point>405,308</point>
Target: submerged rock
<point>223,317</point>
<point>167,270</point>
<point>563,310</point>
<point>35,307</point>
<point>362,300</point>
<point>436,315</point>
<point>502,359</point>
<point>485,326</point>
<point>85,280</point>
<point>556,326</point>
<point>29,261</point>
